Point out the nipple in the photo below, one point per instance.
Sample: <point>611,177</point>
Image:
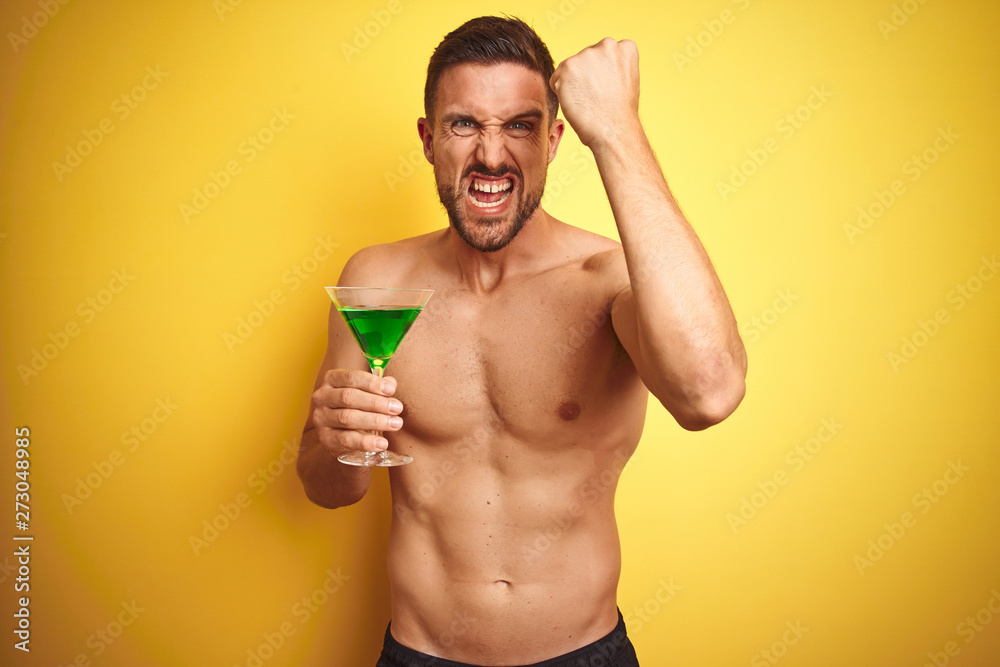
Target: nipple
<point>569,410</point>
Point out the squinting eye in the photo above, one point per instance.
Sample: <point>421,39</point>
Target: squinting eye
<point>463,128</point>
<point>519,129</point>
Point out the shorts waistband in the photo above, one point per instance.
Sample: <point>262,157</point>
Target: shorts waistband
<point>602,652</point>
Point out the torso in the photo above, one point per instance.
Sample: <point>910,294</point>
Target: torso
<point>521,409</point>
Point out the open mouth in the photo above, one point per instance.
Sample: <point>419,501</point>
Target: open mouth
<point>489,192</point>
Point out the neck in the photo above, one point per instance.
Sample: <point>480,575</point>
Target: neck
<point>485,271</point>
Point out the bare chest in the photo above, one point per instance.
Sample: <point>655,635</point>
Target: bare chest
<point>533,360</point>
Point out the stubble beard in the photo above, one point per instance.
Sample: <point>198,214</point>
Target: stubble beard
<point>489,234</point>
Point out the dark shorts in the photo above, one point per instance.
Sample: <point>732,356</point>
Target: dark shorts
<point>612,650</point>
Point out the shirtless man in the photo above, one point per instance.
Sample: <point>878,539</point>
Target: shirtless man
<point>522,388</point>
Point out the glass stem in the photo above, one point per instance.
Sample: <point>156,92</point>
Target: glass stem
<point>378,368</point>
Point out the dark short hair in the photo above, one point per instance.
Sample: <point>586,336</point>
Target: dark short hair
<point>490,40</point>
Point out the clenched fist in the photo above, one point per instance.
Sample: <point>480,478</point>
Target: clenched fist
<point>598,89</point>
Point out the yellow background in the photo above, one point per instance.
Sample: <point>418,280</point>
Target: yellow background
<point>342,171</point>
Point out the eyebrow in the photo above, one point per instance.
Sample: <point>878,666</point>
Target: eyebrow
<point>529,114</point>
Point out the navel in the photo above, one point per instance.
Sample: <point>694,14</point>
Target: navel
<point>569,410</point>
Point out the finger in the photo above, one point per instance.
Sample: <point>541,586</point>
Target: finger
<point>342,377</point>
<point>631,50</point>
<point>337,441</point>
<point>355,420</point>
<point>358,399</point>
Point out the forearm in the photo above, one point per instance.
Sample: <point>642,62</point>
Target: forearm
<point>688,341</point>
<point>673,316</point>
<point>328,482</point>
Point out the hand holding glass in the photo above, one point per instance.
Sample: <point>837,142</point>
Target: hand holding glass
<point>379,318</point>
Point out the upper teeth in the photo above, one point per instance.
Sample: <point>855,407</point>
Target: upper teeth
<point>491,186</point>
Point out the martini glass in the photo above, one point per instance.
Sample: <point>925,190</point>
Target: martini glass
<point>378,317</point>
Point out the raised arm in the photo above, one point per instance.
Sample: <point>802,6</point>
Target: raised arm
<point>673,316</point>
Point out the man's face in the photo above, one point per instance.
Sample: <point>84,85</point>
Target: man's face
<point>490,143</point>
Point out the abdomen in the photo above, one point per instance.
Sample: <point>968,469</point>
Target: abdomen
<point>529,550</point>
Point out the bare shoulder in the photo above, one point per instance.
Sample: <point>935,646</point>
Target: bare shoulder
<point>596,255</point>
<point>387,264</point>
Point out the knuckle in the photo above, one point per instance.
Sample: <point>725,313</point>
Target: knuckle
<point>338,440</point>
<point>344,417</point>
<point>349,396</point>
<point>359,441</point>
<point>318,394</point>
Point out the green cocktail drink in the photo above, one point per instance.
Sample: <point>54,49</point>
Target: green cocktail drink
<point>379,329</point>
<point>378,319</point>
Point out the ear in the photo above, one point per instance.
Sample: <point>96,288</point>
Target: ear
<point>555,136</point>
<point>426,138</point>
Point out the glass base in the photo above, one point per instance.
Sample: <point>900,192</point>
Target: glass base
<point>373,459</point>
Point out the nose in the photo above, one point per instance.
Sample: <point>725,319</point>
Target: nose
<point>491,151</point>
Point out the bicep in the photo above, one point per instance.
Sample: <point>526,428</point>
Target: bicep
<point>625,323</point>
<point>341,349</point>
<point>625,320</point>
<point>341,352</point>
